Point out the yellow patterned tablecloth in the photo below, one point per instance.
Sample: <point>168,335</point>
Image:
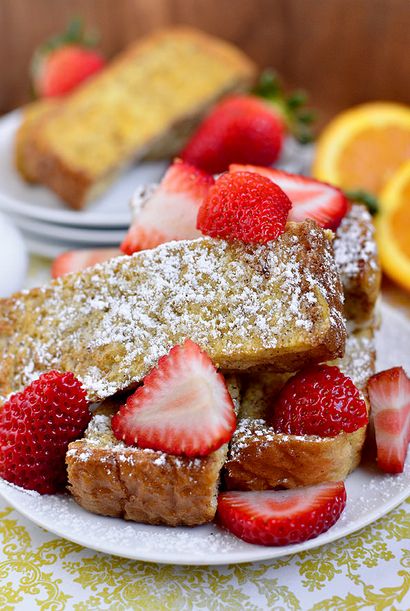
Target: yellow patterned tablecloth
<point>368,570</point>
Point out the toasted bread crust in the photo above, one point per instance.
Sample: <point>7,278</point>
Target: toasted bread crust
<point>261,459</point>
<point>278,304</point>
<point>140,485</point>
<point>103,126</point>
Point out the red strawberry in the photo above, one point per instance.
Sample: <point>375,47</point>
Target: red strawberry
<point>246,207</point>
<point>170,212</point>
<point>282,517</point>
<point>310,198</point>
<point>76,260</point>
<point>65,68</point>
<point>389,393</point>
<point>242,129</point>
<point>36,426</point>
<point>65,61</point>
<point>183,407</point>
<point>319,400</point>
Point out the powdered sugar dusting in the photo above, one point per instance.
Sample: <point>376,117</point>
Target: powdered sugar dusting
<point>110,324</point>
<point>354,245</point>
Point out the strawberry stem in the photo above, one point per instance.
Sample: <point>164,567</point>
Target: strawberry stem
<point>291,106</point>
<point>360,196</point>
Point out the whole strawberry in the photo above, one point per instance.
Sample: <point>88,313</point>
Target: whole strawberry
<point>36,426</point>
<point>241,129</point>
<point>65,61</point>
<point>244,206</point>
<point>319,400</point>
<point>248,128</point>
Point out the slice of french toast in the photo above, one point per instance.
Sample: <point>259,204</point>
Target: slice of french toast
<point>146,103</point>
<point>358,265</point>
<point>261,459</point>
<point>110,478</point>
<point>278,304</point>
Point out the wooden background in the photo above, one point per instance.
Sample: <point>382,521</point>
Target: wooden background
<point>341,51</point>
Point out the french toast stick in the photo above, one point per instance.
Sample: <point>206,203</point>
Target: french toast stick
<point>110,478</point>
<point>358,265</point>
<point>278,304</point>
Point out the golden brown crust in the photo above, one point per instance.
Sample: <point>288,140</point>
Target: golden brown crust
<point>140,485</point>
<point>277,304</point>
<point>263,459</point>
<point>103,125</point>
<point>33,114</point>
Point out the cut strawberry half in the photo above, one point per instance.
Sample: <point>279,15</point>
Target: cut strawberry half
<point>170,212</point>
<point>183,406</point>
<point>311,199</point>
<point>282,517</point>
<point>389,393</point>
<point>76,260</point>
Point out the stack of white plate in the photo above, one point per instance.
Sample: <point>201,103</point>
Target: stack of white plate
<point>48,225</point>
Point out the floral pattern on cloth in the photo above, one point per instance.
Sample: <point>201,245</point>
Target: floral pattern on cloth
<point>369,569</point>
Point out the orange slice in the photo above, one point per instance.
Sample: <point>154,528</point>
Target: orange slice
<point>393,227</point>
<point>362,147</point>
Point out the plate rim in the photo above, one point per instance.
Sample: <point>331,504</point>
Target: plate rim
<point>255,553</point>
<point>58,217</point>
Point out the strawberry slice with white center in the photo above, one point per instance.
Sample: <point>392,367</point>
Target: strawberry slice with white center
<point>311,199</point>
<point>170,212</point>
<point>389,394</point>
<point>183,407</point>
<point>282,517</point>
<point>76,260</point>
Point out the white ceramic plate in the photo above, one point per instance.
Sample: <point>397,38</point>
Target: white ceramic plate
<point>13,258</point>
<point>36,202</point>
<point>65,233</point>
<point>370,496</point>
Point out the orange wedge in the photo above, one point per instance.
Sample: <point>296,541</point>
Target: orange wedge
<point>362,147</point>
<point>393,227</point>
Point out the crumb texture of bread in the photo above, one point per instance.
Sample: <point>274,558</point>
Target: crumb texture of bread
<point>278,304</point>
<point>110,478</point>
<point>147,100</point>
<point>261,459</point>
<point>358,264</point>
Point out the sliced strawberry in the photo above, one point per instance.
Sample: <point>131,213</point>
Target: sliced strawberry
<point>282,517</point>
<point>76,260</point>
<point>170,212</point>
<point>389,393</point>
<point>183,406</point>
<point>310,198</point>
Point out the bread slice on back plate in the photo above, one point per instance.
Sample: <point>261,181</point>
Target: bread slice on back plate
<point>109,478</point>
<point>261,459</point>
<point>247,306</point>
<point>358,265</point>
<point>144,104</point>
